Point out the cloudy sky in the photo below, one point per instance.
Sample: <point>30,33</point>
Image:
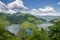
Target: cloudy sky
<point>35,7</point>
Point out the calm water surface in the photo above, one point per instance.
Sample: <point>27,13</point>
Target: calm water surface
<point>14,28</point>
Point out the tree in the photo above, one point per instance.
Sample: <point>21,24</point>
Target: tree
<point>27,24</point>
<point>22,35</point>
<point>39,35</point>
<point>3,22</point>
<point>54,31</point>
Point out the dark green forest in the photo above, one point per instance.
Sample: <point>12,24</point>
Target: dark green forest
<point>28,21</point>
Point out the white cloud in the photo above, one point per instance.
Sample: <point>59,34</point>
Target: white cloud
<point>58,3</point>
<point>46,9</point>
<point>3,7</point>
<point>16,5</point>
<point>34,11</point>
<point>48,14</point>
<point>11,11</point>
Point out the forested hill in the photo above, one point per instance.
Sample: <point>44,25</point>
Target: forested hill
<point>27,21</point>
<point>19,18</point>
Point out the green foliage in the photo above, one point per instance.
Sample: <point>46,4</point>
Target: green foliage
<point>22,35</point>
<point>19,18</point>
<point>27,21</point>
<point>39,35</point>
<point>54,31</point>
<point>34,20</point>
<point>27,24</point>
<point>3,22</point>
<point>6,35</point>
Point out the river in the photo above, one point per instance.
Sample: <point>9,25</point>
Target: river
<point>44,25</point>
<point>15,28</point>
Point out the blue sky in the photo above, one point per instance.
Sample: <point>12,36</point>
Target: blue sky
<point>38,4</point>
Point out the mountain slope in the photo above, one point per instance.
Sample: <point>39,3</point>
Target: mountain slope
<point>3,22</point>
<point>21,17</point>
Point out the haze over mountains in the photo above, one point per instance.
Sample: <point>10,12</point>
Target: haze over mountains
<point>21,17</point>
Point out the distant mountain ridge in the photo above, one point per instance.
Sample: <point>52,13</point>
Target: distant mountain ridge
<point>47,18</point>
<point>19,18</point>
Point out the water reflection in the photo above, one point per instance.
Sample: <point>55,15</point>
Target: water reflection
<point>29,31</point>
<point>44,25</point>
<point>14,28</point>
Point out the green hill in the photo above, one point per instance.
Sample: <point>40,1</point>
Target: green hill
<point>3,22</point>
<point>19,18</point>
